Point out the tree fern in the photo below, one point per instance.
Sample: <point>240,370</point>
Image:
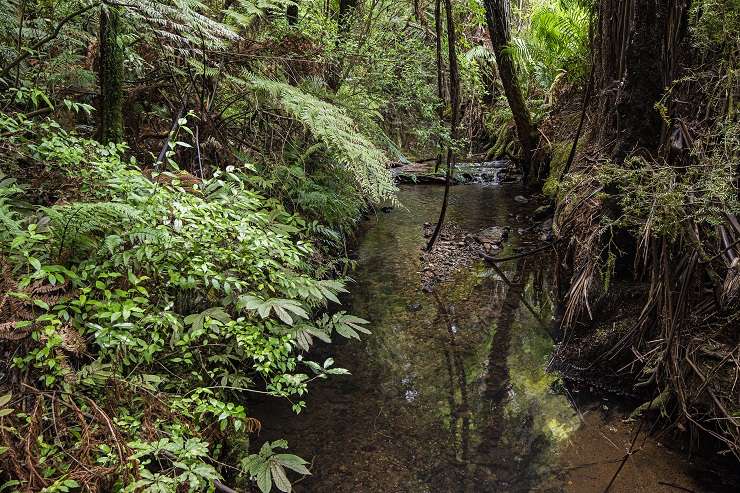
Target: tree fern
<point>183,24</point>
<point>555,40</point>
<point>479,53</point>
<point>336,130</point>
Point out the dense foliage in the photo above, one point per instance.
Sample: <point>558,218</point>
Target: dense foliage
<point>180,179</point>
<point>182,296</point>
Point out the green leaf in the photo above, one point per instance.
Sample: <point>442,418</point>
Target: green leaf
<point>279,477</point>
<point>5,398</point>
<point>293,462</point>
<point>264,478</point>
<point>41,304</point>
<point>283,315</point>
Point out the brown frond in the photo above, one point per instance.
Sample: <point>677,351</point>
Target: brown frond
<point>9,332</point>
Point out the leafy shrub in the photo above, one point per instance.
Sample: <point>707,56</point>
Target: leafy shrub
<point>146,312</point>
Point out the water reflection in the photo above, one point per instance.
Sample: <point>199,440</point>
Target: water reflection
<point>450,396</point>
<point>475,355</point>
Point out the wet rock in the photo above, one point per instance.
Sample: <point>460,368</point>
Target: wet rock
<point>492,235</point>
<point>521,199</point>
<point>542,212</point>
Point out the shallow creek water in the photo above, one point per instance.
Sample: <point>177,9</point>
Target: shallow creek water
<point>450,392</point>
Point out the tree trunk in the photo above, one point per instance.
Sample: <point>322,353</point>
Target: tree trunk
<point>111,76</point>
<point>638,42</point>
<point>440,77</point>
<point>291,13</point>
<point>454,120</point>
<point>344,21</point>
<point>497,18</point>
<point>419,14</point>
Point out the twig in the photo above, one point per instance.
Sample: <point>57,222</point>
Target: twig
<point>626,457</point>
<point>586,100</point>
<point>494,260</point>
<point>673,485</point>
<point>222,487</point>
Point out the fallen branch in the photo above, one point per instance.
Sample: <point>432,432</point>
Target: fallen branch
<point>494,260</point>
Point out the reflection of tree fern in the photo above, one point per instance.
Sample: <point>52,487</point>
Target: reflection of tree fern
<point>74,226</point>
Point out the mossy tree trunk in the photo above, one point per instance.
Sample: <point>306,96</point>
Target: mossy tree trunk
<point>497,19</point>
<point>110,73</point>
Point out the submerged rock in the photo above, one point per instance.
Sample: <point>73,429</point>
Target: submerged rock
<point>521,199</point>
<point>542,212</point>
<point>494,234</point>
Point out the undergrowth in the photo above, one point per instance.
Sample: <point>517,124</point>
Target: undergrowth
<point>138,318</point>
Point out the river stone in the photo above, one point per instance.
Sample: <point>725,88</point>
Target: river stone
<point>521,199</point>
<point>493,235</point>
<point>542,212</point>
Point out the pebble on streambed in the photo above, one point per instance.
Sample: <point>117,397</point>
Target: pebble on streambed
<point>456,249</point>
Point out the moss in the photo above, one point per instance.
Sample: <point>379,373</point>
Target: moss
<point>560,151</point>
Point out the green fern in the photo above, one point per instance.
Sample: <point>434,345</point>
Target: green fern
<point>9,217</point>
<point>78,226</point>
<point>555,40</point>
<point>336,130</point>
<point>182,24</point>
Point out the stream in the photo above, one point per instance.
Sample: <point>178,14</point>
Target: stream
<point>450,392</point>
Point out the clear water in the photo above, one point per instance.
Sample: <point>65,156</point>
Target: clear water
<point>450,392</point>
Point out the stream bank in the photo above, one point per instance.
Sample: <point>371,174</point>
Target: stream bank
<point>450,393</point>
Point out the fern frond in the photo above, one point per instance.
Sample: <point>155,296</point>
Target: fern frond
<point>332,126</point>
<point>77,226</point>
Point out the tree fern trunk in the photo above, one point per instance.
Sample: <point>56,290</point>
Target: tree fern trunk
<point>639,42</point>
<point>497,18</point>
<point>291,13</point>
<point>111,76</point>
